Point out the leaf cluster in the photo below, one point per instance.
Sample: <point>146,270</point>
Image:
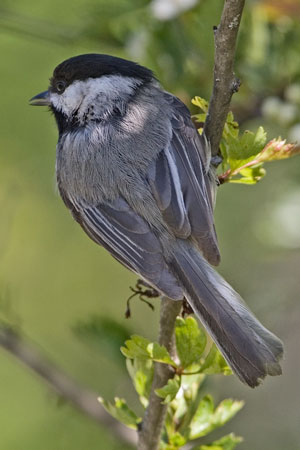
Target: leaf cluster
<point>244,154</point>
<point>190,415</point>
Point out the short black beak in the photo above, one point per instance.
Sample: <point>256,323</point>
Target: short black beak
<point>42,99</point>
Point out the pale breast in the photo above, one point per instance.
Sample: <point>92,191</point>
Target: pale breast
<point>105,158</point>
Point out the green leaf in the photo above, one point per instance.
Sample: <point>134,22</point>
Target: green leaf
<point>242,150</point>
<point>190,341</point>
<point>186,402</point>
<point>160,354</point>
<point>206,419</point>
<point>121,412</point>
<point>242,181</point>
<point>136,348</point>
<point>169,391</point>
<point>215,363</point>
<point>201,103</point>
<point>250,175</point>
<point>228,442</point>
<point>201,423</point>
<point>211,447</point>
<point>231,127</point>
<point>226,410</point>
<point>191,384</point>
<point>200,117</point>
<point>141,373</point>
<point>141,348</point>
<point>177,440</point>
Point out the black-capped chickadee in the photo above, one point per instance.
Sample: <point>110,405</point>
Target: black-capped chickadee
<point>136,176</point>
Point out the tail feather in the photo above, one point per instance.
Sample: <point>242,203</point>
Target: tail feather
<point>250,349</point>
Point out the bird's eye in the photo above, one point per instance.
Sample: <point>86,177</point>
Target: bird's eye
<point>60,86</point>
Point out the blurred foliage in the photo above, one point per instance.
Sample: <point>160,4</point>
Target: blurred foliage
<point>54,277</point>
<point>189,415</point>
<point>180,50</point>
<point>102,334</point>
<point>228,442</point>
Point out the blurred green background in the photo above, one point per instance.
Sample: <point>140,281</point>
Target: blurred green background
<point>54,280</point>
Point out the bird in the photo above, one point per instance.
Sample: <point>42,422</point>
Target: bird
<point>139,179</point>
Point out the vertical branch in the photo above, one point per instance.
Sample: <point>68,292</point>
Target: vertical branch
<point>225,82</point>
<point>149,436</point>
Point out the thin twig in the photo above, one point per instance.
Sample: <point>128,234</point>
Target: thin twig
<point>225,82</point>
<point>82,398</point>
<point>149,436</point>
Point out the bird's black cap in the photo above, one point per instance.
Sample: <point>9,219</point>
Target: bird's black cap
<point>95,65</point>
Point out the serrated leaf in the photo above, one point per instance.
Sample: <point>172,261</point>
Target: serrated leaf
<point>201,103</point>
<point>242,150</point>
<point>215,363</point>
<point>136,347</point>
<point>190,341</point>
<point>206,419</point>
<point>260,139</point>
<point>228,442</point>
<point>141,373</point>
<point>199,117</point>
<point>231,126</point>
<point>121,412</point>
<point>160,354</point>
<point>141,348</point>
<point>169,391</point>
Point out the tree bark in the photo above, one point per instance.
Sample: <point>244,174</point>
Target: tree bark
<point>225,82</point>
<point>149,436</point>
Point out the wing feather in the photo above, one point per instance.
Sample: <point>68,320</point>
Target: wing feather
<point>181,184</point>
<point>128,237</point>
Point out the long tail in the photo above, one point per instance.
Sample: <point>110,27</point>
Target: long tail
<point>250,349</point>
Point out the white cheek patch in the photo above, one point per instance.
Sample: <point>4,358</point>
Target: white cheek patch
<point>70,99</point>
<point>100,93</point>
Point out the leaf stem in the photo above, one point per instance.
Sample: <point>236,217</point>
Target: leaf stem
<point>149,436</point>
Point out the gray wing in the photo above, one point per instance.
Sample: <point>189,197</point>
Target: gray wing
<point>180,183</point>
<point>128,237</point>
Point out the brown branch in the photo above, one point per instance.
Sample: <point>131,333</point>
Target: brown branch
<point>149,436</point>
<point>225,82</point>
<point>82,398</point>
